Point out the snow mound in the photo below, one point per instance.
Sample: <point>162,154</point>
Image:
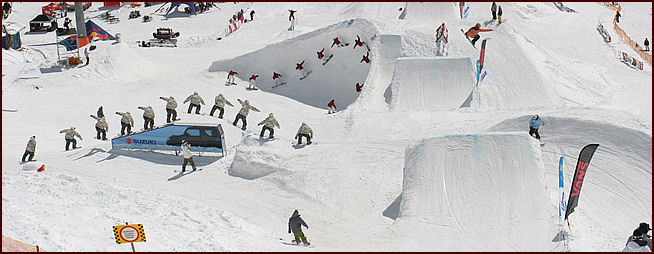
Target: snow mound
<point>253,158</point>
<point>32,165</point>
<point>335,80</point>
<point>450,181</point>
<point>431,82</point>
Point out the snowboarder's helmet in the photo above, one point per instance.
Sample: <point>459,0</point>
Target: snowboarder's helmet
<point>247,102</point>
<point>196,93</point>
<point>271,115</point>
<point>535,117</point>
<point>171,97</point>
<point>478,25</point>
<point>72,128</point>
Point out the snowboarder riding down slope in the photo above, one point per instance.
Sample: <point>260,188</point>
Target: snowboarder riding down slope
<point>269,124</point>
<point>534,124</point>
<point>358,42</point>
<point>220,104</point>
<point>365,58</point>
<point>195,100</point>
<point>230,78</point>
<point>332,107</point>
<point>188,156</point>
<point>126,122</point>
<point>101,127</point>
<point>321,55</point>
<point>171,106</point>
<point>298,66</point>
<point>336,42</point>
<point>148,117</point>
<point>253,80</point>
<point>295,224</point>
<point>276,77</point>
<point>358,87</point>
<point>70,137</point>
<point>243,113</point>
<point>473,33</point>
<point>304,131</point>
<point>29,150</point>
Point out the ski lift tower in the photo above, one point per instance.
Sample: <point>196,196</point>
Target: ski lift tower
<point>80,38</point>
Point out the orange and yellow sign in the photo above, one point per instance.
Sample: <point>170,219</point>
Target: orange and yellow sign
<point>129,233</point>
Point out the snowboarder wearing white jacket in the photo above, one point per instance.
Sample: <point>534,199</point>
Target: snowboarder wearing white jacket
<point>195,102</point>
<point>304,131</point>
<point>70,137</point>
<point>269,124</point>
<point>148,117</point>
<point>101,127</point>
<point>188,157</point>
<point>243,113</point>
<point>220,104</point>
<point>171,107</point>
<point>126,122</point>
<point>29,150</point>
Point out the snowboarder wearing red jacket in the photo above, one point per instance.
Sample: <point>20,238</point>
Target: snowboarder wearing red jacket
<point>358,42</point>
<point>321,55</point>
<point>230,78</point>
<point>365,58</point>
<point>358,87</point>
<point>253,79</point>
<point>473,32</point>
<point>292,15</point>
<point>291,18</point>
<point>276,78</point>
<point>336,42</point>
<point>299,66</point>
<point>332,107</point>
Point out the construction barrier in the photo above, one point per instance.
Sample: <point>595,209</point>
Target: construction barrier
<point>11,245</point>
<point>634,45</point>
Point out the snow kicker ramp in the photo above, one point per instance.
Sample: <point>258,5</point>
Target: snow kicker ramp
<point>477,192</point>
<point>335,80</point>
<point>431,83</point>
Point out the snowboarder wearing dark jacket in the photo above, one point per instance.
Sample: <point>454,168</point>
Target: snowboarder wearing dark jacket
<point>295,224</point>
<point>499,14</point>
<point>616,19</point>
<point>473,33</point>
<point>637,243</point>
<point>321,55</point>
<point>171,106</point>
<point>494,10</point>
<point>276,77</point>
<point>644,229</point>
<point>332,107</point>
<point>291,16</point>
<point>29,150</point>
<point>646,44</point>
<point>230,78</point>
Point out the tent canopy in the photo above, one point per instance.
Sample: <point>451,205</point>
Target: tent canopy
<point>175,4</point>
<point>42,19</point>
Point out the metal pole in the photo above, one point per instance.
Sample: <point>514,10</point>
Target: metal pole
<point>133,250</point>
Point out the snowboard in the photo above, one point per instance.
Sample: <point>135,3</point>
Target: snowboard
<point>294,243</point>
<point>189,171</point>
<point>327,59</point>
<point>72,149</point>
<point>464,34</point>
<point>280,84</point>
<point>251,89</point>
<point>306,75</point>
<point>343,45</point>
<point>230,84</point>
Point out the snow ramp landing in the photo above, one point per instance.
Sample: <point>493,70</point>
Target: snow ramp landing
<point>477,192</point>
<point>431,83</point>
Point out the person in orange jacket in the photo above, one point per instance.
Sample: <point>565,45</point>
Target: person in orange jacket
<point>473,33</point>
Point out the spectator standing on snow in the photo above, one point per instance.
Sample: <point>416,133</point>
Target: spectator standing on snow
<point>534,124</point>
<point>195,100</point>
<point>499,14</point>
<point>269,124</point>
<point>636,243</point>
<point>70,137</point>
<point>646,44</point>
<point>494,10</point>
<point>332,107</point>
<point>31,147</point>
<point>243,113</point>
<point>171,108</point>
<point>295,224</point>
<point>304,131</point>
<point>126,122</point>
<point>473,33</point>
<point>188,157</point>
<point>148,117</point>
<point>220,104</point>
<point>101,127</point>
<point>251,15</point>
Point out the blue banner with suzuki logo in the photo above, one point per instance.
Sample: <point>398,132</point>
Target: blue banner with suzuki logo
<point>169,138</point>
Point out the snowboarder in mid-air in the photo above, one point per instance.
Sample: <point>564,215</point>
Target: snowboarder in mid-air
<point>534,124</point>
<point>70,137</point>
<point>295,224</point>
<point>291,18</point>
<point>365,58</point>
<point>358,42</point>
<point>358,87</point>
<point>336,42</point>
<point>269,124</point>
<point>220,104</point>
<point>195,100</point>
<point>306,132</point>
<point>29,150</point>
<point>473,33</point>
<point>321,55</point>
<point>494,10</point>
<point>126,122</point>
<point>230,78</point>
<point>101,127</point>
<point>277,78</point>
<point>171,106</point>
<point>148,117</point>
<point>243,113</point>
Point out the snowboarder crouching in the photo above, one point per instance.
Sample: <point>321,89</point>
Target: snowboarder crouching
<point>148,117</point>
<point>171,105</point>
<point>332,107</point>
<point>304,131</point>
<point>188,157</point>
<point>253,80</point>
<point>269,124</point>
<point>126,122</point>
<point>29,150</point>
<point>243,113</point>
<point>230,78</point>
<point>70,137</point>
<point>534,124</point>
<point>195,100</point>
<point>220,104</point>
<point>295,224</point>
<point>101,127</point>
<point>473,33</point>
